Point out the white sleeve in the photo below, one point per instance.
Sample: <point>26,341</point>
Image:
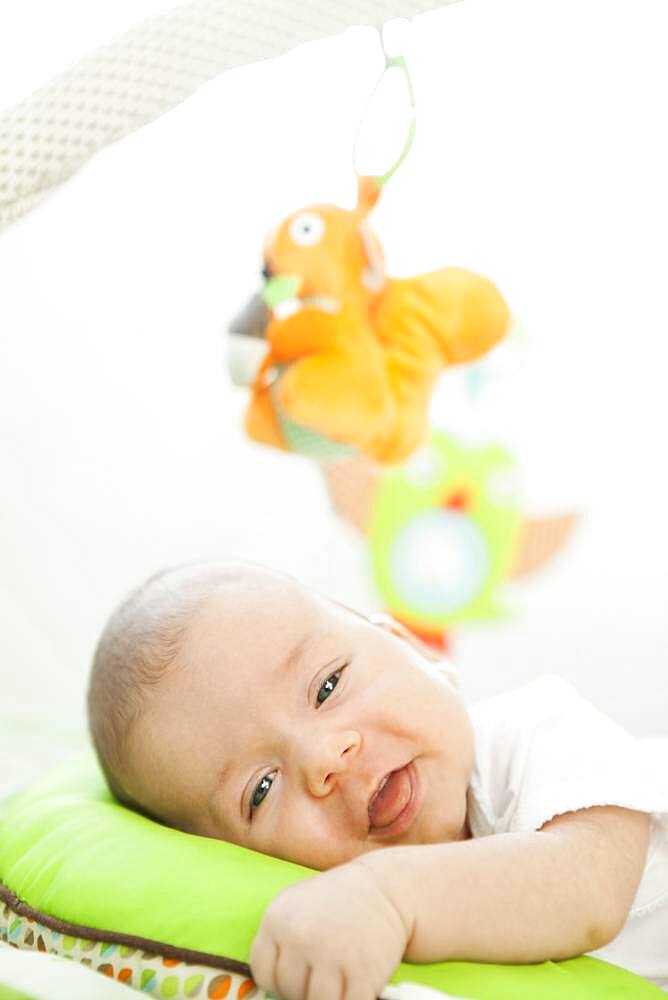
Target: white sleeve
<point>543,750</point>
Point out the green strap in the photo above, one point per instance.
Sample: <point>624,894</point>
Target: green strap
<point>401,63</point>
<point>390,63</point>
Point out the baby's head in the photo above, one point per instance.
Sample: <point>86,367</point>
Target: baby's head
<point>228,700</point>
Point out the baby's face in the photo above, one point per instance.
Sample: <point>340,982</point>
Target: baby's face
<point>297,728</point>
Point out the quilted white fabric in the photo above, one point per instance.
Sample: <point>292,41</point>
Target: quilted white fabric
<point>150,69</point>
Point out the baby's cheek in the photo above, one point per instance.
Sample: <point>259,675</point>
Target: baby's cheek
<point>306,834</point>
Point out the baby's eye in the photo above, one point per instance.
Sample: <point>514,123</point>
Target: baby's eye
<point>261,789</point>
<point>327,688</point>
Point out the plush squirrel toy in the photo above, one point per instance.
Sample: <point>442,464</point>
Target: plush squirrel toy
<point>351,353</point>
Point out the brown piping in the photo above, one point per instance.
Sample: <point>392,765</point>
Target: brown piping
<point>130,940</point>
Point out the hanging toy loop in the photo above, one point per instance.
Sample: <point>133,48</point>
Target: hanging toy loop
<point>394,59</point>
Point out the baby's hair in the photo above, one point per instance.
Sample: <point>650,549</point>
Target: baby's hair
<point>139,645</point>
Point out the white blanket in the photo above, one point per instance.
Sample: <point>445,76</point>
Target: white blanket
<point>49,977</point>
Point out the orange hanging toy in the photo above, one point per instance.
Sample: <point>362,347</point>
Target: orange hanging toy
<point>353,354</point>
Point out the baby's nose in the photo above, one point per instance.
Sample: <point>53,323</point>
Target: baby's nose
<point>329,759</point>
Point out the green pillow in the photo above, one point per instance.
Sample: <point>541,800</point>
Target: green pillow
<point>174,915</point>
<point>8,993</point>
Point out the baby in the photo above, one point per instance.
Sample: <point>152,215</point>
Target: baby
<point>229,701</point>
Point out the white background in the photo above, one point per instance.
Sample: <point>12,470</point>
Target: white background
<point>539,160</point>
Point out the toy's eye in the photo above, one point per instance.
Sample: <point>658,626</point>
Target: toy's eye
<point>307,229</point>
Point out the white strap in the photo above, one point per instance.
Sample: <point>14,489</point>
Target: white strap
<point>150,69</point>
<point>411,991</point>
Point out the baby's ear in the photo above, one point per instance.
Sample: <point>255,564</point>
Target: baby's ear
<point>391,625</point>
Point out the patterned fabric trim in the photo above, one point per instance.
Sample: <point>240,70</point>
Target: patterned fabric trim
<point>148,969</point>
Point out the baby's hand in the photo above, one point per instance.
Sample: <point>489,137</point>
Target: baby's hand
<point>336,936</point>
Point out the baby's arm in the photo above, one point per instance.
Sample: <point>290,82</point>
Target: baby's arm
<point>520,897</point>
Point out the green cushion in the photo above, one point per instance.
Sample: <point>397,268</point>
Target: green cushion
<point>8,993</point>
<point>70,852</point>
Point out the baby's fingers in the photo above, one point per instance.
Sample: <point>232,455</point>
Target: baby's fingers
<point>357,990</point>
<point>331,984</point>
<point>297,981</point>
<point>263,961</point>
<point>278,971</point>
<point>282,973</point>
<point>292,976</point>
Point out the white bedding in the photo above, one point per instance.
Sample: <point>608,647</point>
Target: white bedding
<point>31,741</point>
<point>48,977</point>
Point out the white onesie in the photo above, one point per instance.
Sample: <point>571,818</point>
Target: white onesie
<point>543,750</point>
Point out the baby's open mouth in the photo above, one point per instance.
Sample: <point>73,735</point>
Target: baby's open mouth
<point>392,805</point>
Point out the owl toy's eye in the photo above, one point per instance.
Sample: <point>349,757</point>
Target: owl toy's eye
<point>307,229</point>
